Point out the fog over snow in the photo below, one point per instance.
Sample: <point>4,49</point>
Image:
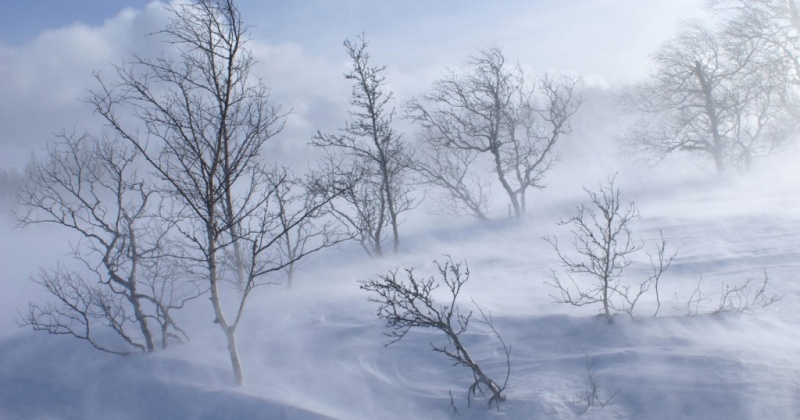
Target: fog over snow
<point>316,351</point>
<point>46,71</point>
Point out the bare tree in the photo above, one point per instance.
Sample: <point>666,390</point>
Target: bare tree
<point>769,95</point>
<point>604,243</point>
<point>372,150</point>
<point>465,192</point>
<point>92,187</point>
<point>773,24</point>
<point>361,207</point>
<point>200,121</point>
<point>713,93</point>
<point>591,392</point>
<point>748,297</point>
<point>410,304</point>
<point>494,108</point>
<point>303,232</point>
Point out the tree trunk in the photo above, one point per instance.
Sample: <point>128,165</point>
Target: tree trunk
<point>229,330</point>
<point>134,298</point>
<point>391,206</point>
<point>711,112</point>
<point>142,320</point>
<point>233,351</point>
<point>512,195</point>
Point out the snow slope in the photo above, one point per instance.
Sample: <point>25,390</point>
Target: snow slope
<point>316,351</point>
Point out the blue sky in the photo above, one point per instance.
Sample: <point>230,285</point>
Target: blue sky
<point>21,20</point>
<point>49,49</point>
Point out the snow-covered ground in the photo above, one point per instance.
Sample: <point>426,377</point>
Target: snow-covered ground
<point>316,351</point>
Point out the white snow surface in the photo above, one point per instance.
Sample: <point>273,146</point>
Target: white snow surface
<point>316,351</point>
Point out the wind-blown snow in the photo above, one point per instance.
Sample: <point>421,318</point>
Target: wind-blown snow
<point>316,351</point>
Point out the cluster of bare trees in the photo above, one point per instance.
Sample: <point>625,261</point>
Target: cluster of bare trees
<point>128,286</point>
<point>490,113</point>
<point>495,110</point>
<point>369,154</point>
<point>727,91</point>
<point>175,199</point>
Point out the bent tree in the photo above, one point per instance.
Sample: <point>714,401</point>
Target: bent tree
<point>410,303</point>
<point>200,120</point>
<point>492,108</point>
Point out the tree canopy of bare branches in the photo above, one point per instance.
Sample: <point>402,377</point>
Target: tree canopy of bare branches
<point>773,24</point>
<point>714,92</point>
<point>410,304</point>
<point>91,187</point>
<point>200,120</point>
<point>492,108</point>
<point>604,244</point>
<point>371,155</point>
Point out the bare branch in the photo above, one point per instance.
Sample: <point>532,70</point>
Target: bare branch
<point>410,304</point>
<point>496,109</point>
<point>603,242</point>
<point>371,155</point>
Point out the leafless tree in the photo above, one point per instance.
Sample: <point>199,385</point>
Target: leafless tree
<point>304,233</point>
<point>492,107</point>
<point>604,243</point>
<point>773,24</point>
<point>410,304</point>
<point>748,297</point>
<point>361,206</point>
<point>591,392</point>
<point>465,192</point>
<point>770,94</point>
<point>200,120</point>
<point>91,187</point>
<point>373,152</point>
<point>713,93</point>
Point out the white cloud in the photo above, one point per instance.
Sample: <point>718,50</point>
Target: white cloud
<point>43,80</point>
<point>301,58</point>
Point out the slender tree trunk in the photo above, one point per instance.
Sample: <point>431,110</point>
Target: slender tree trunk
<point>233,226</point>
<point>607,264</point>
<point>390,205</point>
<point>233,350</point>
<point>711,111</point>
<point>378,237</point>
<point>512,195</point>
<point>142,320</point>
<point>216,301</point>
<point>129,283</point>
<point>134,298</point>
<point>290,275</point>
<point>228,329</point>
<point>164,335</point>
<point>238,259</point>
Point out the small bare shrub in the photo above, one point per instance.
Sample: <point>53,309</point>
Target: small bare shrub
<point>748,297</point>
<point>604,243</point>
<point>591,393</point>
<point>410,304</point>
